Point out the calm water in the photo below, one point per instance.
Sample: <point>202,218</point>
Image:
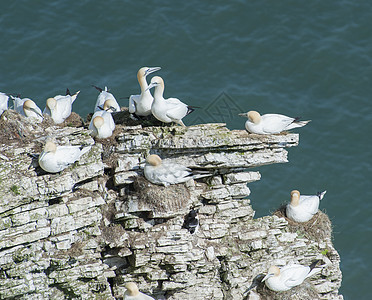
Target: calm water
<point>292,57</point>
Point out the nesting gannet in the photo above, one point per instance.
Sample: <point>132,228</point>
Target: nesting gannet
<point>132,293</point>
<point>141,104</point>
<point>102,124</point>
<point>165,174</point>
<point>303,208</point>
<point>289,276</point>
<point>55,158</point>
<point>60,107</point>
<point>102,97</point>
<point>26,107</point>
<point>3,102</point>
<point>191,222</point>
<point>167,110</point>
<point>270,123</point>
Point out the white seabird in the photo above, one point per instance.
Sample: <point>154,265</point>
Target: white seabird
<point>60,107</point>
<point>102,97</point>
<point>102,123</point>
<point>54,159</point>
<point>303,208</point>
<point>132,293</point>
<point>26,107</point>
<point>141,104</point>
<point>167,110</point>
<point>3,102</point>
<point>283,279</point>
<point>165,174</point>
<point>270,123</point>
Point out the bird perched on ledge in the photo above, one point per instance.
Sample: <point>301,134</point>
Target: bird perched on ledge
<point>132,293</point>
<point>3,102</point>
<point>165,174</point>
<point>303,208</point>
<point>167,110</point>
<point>60,107</point>
<point>54,159</point>
<point>140,105</point>
<point>270,123</point>
<point>26,107</point>
<point>103,96</point>
<point>283,279</point>
<point>102,124</point>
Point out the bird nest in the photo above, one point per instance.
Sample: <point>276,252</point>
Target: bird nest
<point>318,228</point>
<point>303,291</point>
<point>161,199</point>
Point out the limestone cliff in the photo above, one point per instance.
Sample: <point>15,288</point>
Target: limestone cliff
<point>83,233</point>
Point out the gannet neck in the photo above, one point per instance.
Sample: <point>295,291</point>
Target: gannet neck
<point>295,198</point>
<point>153,160</point>
<point>158,83</point>
<point>132,289</point>
<point>98,122</point>
<point>51,103</point>
<point>50,147</point>
<point>254,116</point>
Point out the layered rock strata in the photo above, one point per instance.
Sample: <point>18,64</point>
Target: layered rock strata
<point>84,233</point>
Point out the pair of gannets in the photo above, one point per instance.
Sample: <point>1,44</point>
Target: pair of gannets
<point>165,110</point>
<point>302,208</point>
<point>3,102</point>
<point>270,123</point>
<point>54,159</point>
<point>102,123</point>
<point>132,293</point>
<point>60,107</point>
<point>28,108</point>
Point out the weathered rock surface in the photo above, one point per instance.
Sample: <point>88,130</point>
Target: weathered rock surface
<point>85,232</point>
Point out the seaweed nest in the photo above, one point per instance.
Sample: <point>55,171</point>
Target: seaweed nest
<point>74,120</point>
<point>318,228</point>
<point>303,291</point>
<point>160,198</point>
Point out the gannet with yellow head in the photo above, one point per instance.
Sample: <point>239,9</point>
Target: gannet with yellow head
<point>270,123</point>
<point>141,104</point>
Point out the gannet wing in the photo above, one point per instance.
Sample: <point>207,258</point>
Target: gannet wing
<point>272,123</point>
<point>132,103</point>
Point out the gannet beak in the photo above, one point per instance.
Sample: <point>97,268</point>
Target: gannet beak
<point>151,85</point>
<point>243,114</point>
<point>267,276</point>
<point>34,110</point>
<point>152,70</point>
<point>111,108</point>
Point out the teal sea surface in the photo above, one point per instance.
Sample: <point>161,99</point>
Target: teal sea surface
<point>299,58</point>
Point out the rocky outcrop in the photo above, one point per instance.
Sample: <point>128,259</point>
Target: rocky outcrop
<point>84,233</point>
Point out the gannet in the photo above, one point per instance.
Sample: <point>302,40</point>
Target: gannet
<point>289,276</point>
<point>102,97</point>
<point>3,102</point>
<point>132,293</point>
<point>26,107</point>
<point>55,158</point>
<point>102,124</point>
<point>270,123</point>
<point>191,222</point>
<point>303,208</point>
<point>60,107</point>
<point>141,104</point>
<point>165,174</point>
<point>167,110</point>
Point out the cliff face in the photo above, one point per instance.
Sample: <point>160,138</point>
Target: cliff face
<point>85,232</point>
